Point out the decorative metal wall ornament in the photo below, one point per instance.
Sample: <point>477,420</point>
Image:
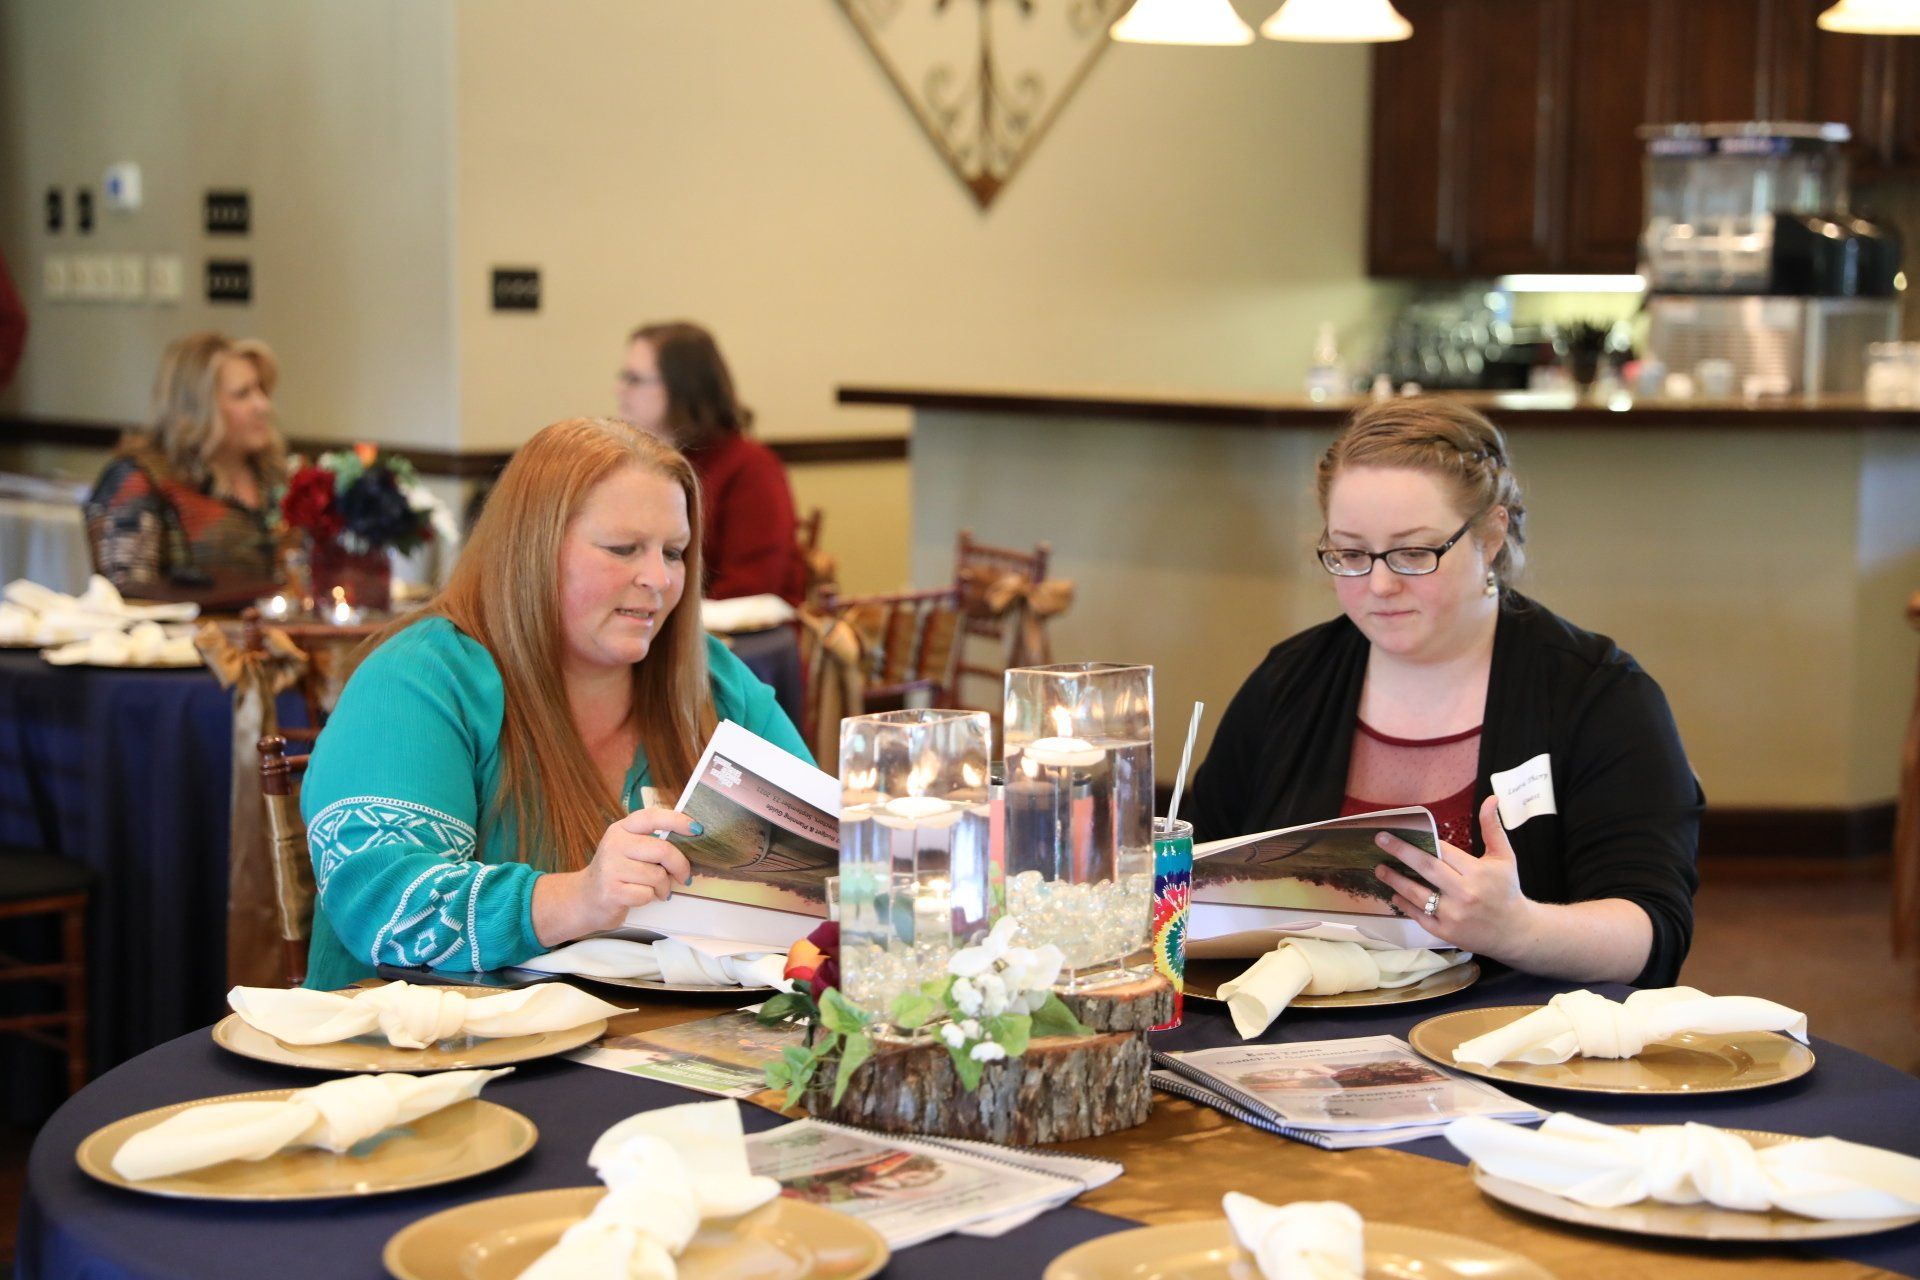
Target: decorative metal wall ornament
<point>985,91</point>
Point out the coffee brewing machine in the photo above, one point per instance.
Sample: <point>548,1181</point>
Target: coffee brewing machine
<point>1753,258</point>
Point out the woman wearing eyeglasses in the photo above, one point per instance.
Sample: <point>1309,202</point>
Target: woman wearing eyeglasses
<point>1442,686</point>
<point>674,384</point>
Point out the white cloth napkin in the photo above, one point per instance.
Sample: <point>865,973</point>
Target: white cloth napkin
<point>668,960</point>
<point>334,1115</point>
<point>665,1171</point>
<point>40,615</point>
<point>744,613</point>
<point>144,644</point>
<point>413,1017</point>
<point>1316,967</point>
<point>1599,1165</point>
<point>1305,1240</point>
<point>1592,1026</point>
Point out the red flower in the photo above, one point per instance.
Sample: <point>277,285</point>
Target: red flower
<point>309,503</point>
<point>815,960</point>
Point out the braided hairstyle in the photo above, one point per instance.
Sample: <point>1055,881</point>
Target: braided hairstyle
<point>1448,441</point>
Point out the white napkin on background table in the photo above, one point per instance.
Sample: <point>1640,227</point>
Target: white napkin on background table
<point>1592,1026</point>
<point>665,1171</point>
<point>1599,1165</point>
<point>667,960</point>
<point>744,613</point>
<point>1305,1240</point>
<point>144,644</point>
<point>413,1017</point>
<point>1317,967</point>
<point>335,1116</point>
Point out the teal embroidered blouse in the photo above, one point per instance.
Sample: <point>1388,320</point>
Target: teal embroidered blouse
<point>412,866</point>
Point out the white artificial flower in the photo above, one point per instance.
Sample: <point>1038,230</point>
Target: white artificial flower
<point>967,996</point>
<point>1032,1000</point>
<point>993,994</point>
<point>969,1029</point>
<point>1047,962</point>
<point>1002,936</point>
<point>953,1036</point>
<point>986,1051</point>
<point>1016,969</point>
<point>970,962</point>
<point>418,498</point>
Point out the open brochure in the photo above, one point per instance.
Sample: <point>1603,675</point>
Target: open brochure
<point>913,1189</point>
<point>771,839</point>
<point>1366,1091</point>
<point>726,1055</point>
<point>1249,891</point>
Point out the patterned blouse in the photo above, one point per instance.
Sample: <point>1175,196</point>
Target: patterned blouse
<point>146,524</point>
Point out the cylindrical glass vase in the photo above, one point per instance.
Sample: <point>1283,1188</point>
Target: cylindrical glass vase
<point>916,877</point>
<point>1079,812</point>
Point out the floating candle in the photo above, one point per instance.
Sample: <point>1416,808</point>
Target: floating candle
<point>1062,753</point>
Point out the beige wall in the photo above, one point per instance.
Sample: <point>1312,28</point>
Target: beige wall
<point>1760,577</point>
<point>1190,219</point>
<point>335,114</point>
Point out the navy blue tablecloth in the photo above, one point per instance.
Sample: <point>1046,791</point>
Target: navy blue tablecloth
<point>72,1228</point>
<point>774,656</point>
<point>127,772</point>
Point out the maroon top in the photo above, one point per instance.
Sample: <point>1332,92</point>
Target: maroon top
<point>1391,773</point>
<point>749,546</point>
<point>13,327</point>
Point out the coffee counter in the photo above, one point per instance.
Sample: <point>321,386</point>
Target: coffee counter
<point>1756,559</point>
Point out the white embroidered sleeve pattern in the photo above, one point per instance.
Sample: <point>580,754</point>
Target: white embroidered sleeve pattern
<point>433,918</point>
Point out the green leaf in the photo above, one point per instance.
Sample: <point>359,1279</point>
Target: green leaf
<point>785,1007</point>
<point>1011,1031</point>
<point>800,1065</point>
<point>779,1075</point>
<point>1054,1019</point>
<point>937,988</point>
<point>859,1049</point>
<point>914,1010</point>
<point>966,1068</point>
<point>837,1015</point>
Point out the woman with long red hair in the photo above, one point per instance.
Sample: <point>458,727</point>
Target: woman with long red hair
<point>482,793</point>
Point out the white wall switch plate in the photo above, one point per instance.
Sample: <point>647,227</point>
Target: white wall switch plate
<point>121,186</point>
<point>56,277</point>
<point>165,277</point>
<point>130,277</point>
<point>91,277</point>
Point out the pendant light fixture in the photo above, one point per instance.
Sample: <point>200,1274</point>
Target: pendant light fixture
<point>1205,22</point>
<point>1343,22</point>
<point>1873,18</point>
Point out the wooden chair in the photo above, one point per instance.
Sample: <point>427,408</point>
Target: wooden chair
<point>996,631</point>
<point>875,653</point>
<point>821,572</point>
<point>293,888</point>
<point>33,883</point>
<point>1906,824</point>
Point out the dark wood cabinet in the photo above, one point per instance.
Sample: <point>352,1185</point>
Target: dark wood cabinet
<point>1504,130</point>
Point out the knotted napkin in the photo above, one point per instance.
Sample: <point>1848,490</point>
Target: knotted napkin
<point>144,644</point>
<point>40,615</point>
<point>744,613</point>
<point>668,960</point>
<point>1599,1165</point>
<point>334,1116</point>
<point>665,1170</point>
<point>413,1017</point>
<point>1318,967</point>
<point>1592,1026</point>
<point>1305,1240</point>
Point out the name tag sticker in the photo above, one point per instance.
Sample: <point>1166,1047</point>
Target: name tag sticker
<point>1525,791</point>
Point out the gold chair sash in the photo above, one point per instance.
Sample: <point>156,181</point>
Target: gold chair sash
<point>835,665</point>
<point>255,955</point>
<point>990,593</point>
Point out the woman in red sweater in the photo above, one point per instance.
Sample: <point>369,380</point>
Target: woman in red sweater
<point>675,385</point>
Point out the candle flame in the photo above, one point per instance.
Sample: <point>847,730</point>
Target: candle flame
<point>1062,722</point>
<point>920,776</point>
<point>973,774</point>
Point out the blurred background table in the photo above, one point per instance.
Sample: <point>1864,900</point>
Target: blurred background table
<point>774,656</point>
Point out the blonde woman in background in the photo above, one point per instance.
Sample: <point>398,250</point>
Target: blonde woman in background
<point>477,797</point>
<point>188,502</point>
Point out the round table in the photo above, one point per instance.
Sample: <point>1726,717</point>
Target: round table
<point>72,1227</point>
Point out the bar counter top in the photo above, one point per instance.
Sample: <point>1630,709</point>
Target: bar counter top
<point>1509,409</point>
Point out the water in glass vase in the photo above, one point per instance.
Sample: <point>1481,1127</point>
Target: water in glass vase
<point>914,888</point>
<point>1079,845</point>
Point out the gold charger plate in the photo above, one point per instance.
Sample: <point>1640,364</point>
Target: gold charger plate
<point>498,1239</point>
<point>1688,1063</point>
<point>373,1053</point>
<point>460,1141</point>
<point>1204,978</point>
<point>1206,1251</point>
<point>1686,1221</point>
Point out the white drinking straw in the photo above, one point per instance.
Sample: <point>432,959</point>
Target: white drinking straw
<point>1186,758</point>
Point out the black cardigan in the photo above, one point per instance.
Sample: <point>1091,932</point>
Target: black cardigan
<point>1628,824</point>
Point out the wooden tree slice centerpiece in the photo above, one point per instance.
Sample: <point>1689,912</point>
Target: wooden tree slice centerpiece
<point>1061,1088</point>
